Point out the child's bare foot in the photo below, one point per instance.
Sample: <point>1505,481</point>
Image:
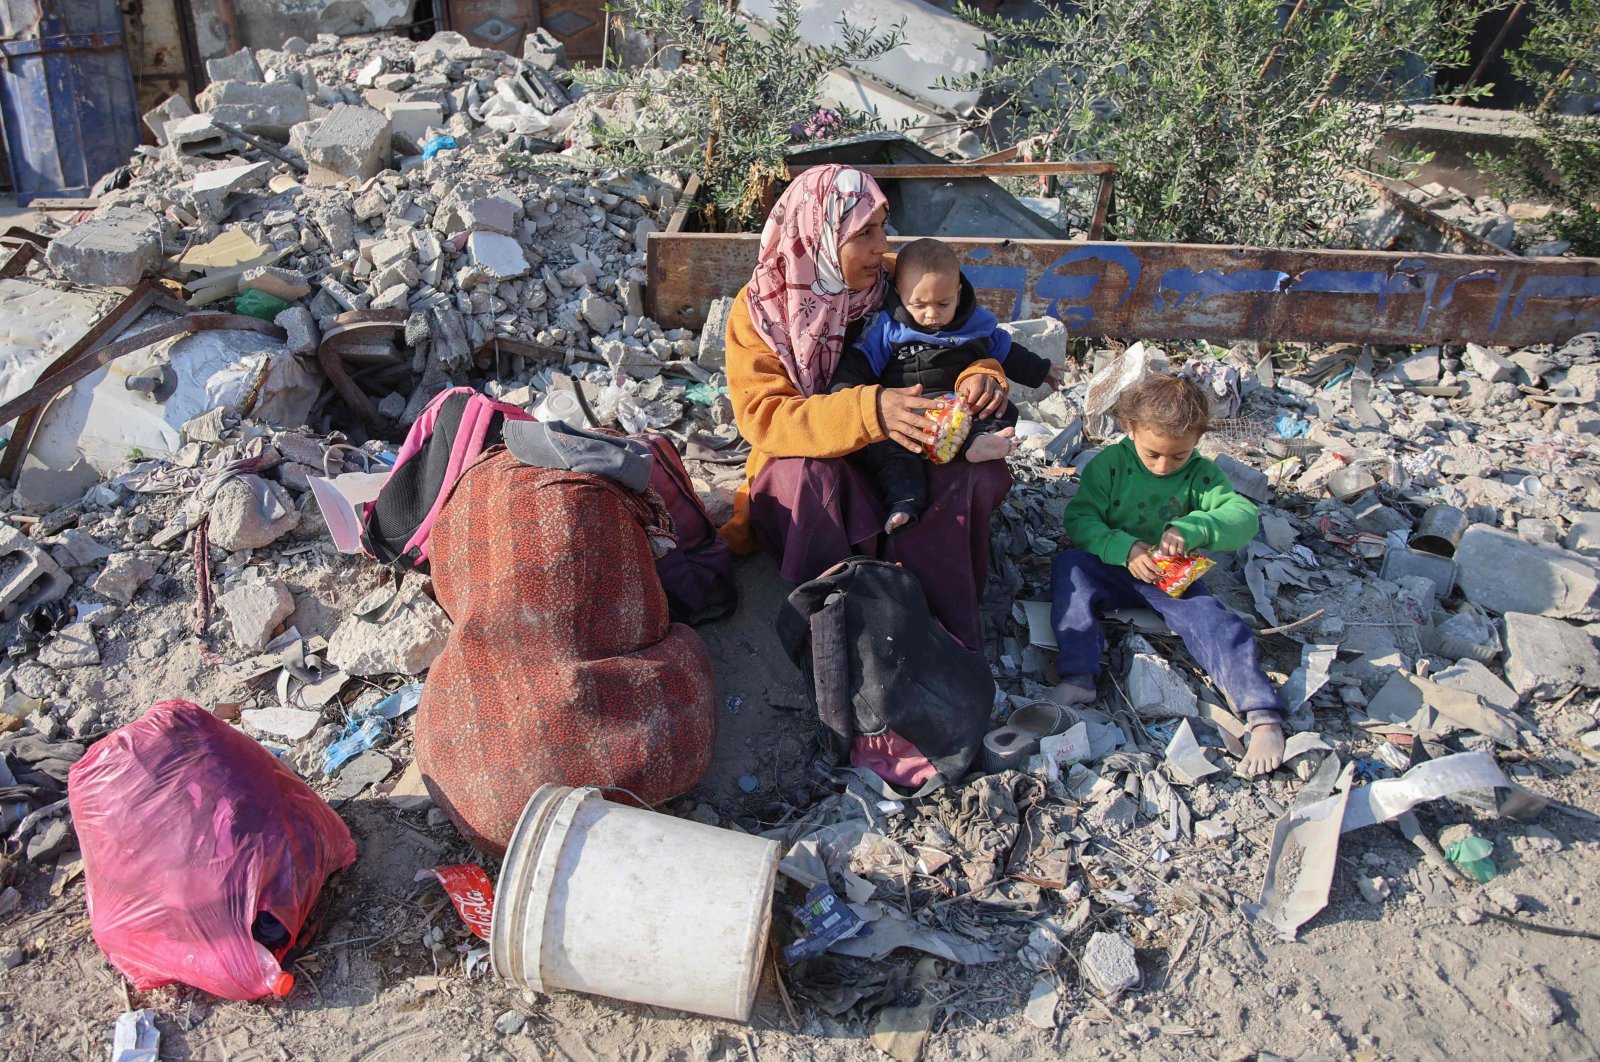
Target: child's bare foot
<point>992,446</point>
<point>896,521</point>
<point>1266,750</point>
<point>1074,691</point>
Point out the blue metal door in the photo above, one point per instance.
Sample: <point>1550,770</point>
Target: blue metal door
<point>71,115</point>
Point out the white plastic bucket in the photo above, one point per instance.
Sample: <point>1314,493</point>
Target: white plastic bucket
<point>615,901</point>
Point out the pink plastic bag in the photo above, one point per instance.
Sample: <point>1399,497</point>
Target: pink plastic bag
<point>189,831</point>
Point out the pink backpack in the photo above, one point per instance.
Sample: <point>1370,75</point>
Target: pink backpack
<point>452,433</point>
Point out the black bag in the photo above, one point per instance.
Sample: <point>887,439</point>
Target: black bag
<point>879,662</point>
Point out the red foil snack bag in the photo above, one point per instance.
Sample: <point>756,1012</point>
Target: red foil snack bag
<point>1180,573</point>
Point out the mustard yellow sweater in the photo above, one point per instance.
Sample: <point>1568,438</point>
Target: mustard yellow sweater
<point>778,421</point>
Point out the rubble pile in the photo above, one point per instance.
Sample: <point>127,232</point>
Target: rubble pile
<point>1510,226</point>
<point>1426,582</point>
<point>342,177</point>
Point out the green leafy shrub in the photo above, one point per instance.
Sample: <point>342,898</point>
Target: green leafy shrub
<point>1562,165</point>
<point>1229,125</point>
<point>739,95</point>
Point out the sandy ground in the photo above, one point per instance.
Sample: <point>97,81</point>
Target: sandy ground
<point>1404,980</point>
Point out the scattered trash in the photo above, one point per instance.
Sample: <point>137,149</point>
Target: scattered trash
<point>826,921</point>
<point>136,1038</point>
<point>369,727</point>
<point>470,890</point>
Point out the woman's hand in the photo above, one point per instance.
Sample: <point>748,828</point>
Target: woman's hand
<point>1056,377</point>
<point>985,395</point>
<point>902,413</point>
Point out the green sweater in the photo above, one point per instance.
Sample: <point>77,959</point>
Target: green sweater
<point>1120,502</point>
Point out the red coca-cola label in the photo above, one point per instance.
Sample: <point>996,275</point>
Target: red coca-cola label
<point>471,891</point>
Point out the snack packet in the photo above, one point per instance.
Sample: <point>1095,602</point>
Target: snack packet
<point>1180,573</point>
<point>952,421</point>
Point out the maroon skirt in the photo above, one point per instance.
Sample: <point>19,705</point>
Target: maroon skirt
<point>811,513</point>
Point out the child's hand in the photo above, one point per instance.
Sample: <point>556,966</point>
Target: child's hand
<point>985,395</point>
<point>1142,564</point>
<point>1172,544</point>
<point>1055,377</point>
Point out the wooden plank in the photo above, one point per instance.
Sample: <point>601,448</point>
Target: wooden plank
<point>944,171</point>
<point>1164,290</point>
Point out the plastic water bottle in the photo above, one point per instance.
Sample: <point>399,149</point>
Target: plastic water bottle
<point>281,980</point>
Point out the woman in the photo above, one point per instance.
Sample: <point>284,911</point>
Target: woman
<point>819,279</point>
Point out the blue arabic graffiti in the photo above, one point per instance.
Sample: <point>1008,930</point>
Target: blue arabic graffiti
<point>1069,296</point>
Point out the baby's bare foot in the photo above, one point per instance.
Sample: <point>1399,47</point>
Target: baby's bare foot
<point>992,447</point>
<point>1265,754</point>
<point>896,522</point>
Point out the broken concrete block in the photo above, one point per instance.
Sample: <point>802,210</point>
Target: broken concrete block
<point>1473,677</point>
<point>255,611</point>
<point>490,214</point>
<point>410,121</point>
<point>714,337</point>
<point>285,284</point>
<point>1044,336</point>
<point>78,549</point>
<point>1250,482</point>
<point>641,234</point>
<point>350,142</point>
<point>1420,369</point>
<point>240,66</point>
<point>263,109</point>
<point>1210,831</point>
<point>1110,964</point>
<point>1584,534</point>
<point>1157,691</point>
<point>170,109</point>
<point>73,646</point>
<point>195,135</point>
<point>123,575</point>
<point>248,513</point>
<point>1502,573</point>
<point>113,249</point>
<point>301,325</point>
<point>30,576</point>
<point>1545,657</point>
<point>210,190</point>
<point>544,50</point>
<point>498,255</point>
<point>1489,365</point>
<point>600,313</point>
<point>291,724</point>
<point>404,642</point>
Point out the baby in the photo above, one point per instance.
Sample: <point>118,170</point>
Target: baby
<point>930,330</point>
<point>1151,497</point>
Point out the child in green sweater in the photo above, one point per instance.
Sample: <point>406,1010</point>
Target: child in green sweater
<point>1148,498</point>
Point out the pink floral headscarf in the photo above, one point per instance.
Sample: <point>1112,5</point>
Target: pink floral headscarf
<point>798,299</point>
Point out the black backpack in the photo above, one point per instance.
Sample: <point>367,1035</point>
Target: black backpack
<point>878,661</point>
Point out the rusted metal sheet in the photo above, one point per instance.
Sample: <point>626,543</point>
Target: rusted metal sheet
<point>1165,290</point>
<point>957,170</point>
